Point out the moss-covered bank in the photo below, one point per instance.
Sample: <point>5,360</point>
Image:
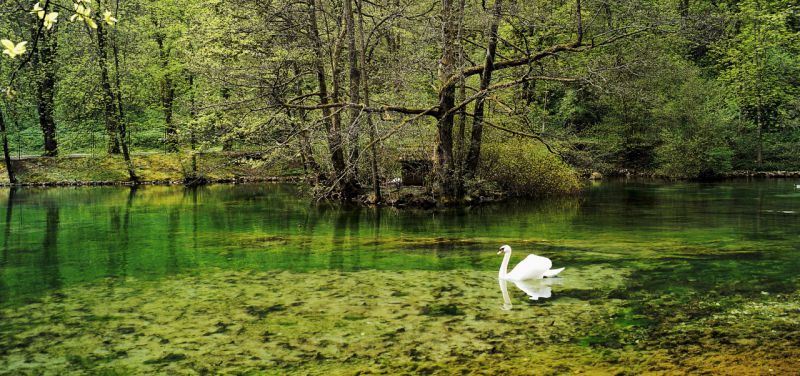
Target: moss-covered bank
<point>151,168</point>
<point>513,169</point>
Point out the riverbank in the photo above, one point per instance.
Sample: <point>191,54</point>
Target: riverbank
<point>626,173</point>
<point>240,167</point>
<point>161,169</point>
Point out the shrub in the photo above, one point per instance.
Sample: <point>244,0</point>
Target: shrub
<point>523,167</point>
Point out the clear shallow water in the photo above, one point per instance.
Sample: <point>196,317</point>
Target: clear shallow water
<point>660,278</point>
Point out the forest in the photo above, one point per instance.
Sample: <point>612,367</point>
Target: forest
<point>523,96</point>
<point>335,187</point>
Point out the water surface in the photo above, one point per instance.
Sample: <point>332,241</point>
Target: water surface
<point>661,278</point>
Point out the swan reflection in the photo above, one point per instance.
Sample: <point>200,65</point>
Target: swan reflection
<point>535,289</point>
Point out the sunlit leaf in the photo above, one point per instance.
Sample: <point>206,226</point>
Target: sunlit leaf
<point>13,50</point>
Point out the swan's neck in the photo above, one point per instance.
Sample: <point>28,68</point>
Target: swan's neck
<point>504,265</point>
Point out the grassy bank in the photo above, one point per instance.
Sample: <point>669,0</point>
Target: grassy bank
<point>152,168</point>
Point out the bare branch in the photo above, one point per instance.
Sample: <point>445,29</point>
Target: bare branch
<point>432,111</point>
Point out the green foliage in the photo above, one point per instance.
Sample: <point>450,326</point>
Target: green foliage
<point>524,167</point>
<point>695,128</point>
<point>779,148</point>
<point>760,61</point>
<point>684,94</point>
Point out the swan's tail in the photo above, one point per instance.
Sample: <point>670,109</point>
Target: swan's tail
<point>552,272</point>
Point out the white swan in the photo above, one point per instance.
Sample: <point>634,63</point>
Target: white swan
<point>532,267</point>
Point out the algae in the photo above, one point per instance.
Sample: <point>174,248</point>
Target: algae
<point>330,322</point>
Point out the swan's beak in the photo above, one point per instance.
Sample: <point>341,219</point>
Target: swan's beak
<point>500,251</point>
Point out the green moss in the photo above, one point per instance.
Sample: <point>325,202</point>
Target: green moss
<point>599,341</point>
<point>627,318</point>
<point>380,332</point>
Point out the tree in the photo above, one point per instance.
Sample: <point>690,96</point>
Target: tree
<point>43,62</point>
<point>449,74</point>
<point>114,121</point>
<point>760,63</point>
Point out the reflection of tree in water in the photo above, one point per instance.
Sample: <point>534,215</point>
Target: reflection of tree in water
<point>49,262</point>
<point>6,235</point>
<point>120,223</point>
<point>302,255</point>
<point>173,229</point>
<point>345,238</point>
<point>340,223</point>
<point>516,218</point>
<point>192,192</point>
<point>354,237</point>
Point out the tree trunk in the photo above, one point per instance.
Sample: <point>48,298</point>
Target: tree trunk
<point>349,185</point>
<point>462,95</point>
<point>759,88</point>
<point>12,178</point>
<point>354,84</point>
<point>447,67</point>
<point>760,131</point>
<point>306,151</point>
<point>474,155</point>
<point>330,120</point>
<point>192,117</point>
<point>45,65</point>
<point>462,126</point>
<point>167,96</point>
<point>309,163</point>
<point>118,87</point>
<point>376,184</point>
<point>223,126</point>
<point>113,122</point>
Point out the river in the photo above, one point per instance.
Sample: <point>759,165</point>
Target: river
<point>660,278</point>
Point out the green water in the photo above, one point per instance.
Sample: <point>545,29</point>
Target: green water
<point>660,278</point>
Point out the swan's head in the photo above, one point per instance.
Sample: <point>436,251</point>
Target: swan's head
<point>504,249</point>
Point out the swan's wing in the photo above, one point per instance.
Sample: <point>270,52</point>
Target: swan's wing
<point>531,267</point>
<point>553,272</point>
